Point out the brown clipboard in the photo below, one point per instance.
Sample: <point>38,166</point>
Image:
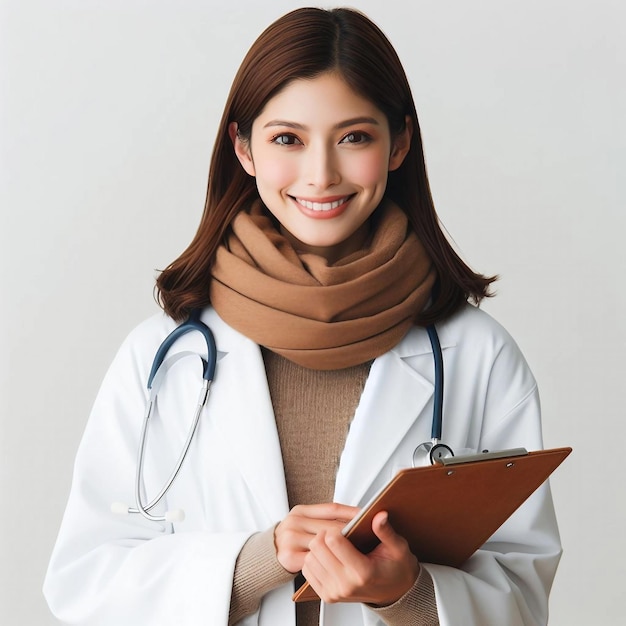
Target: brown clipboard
<point>447,511</point>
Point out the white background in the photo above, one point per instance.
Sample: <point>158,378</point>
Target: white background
<point>107,120</point>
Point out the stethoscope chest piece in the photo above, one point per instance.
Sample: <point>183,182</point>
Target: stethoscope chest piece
<point>428,453</point>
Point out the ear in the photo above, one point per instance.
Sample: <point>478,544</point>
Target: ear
<point>242,149</point>
<point>401,145</point>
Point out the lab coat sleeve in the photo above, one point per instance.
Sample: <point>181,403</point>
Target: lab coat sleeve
<point>508,581</point>
<point>108,569</point>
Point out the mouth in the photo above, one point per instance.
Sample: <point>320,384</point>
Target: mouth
<point>328,204</point>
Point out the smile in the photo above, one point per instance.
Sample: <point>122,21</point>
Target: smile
<point>329,205</point>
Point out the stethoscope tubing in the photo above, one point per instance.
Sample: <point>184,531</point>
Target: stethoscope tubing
<point>209,365</point>
<point>145,509</point>
<point>193,323</point>
<point>437,424</point>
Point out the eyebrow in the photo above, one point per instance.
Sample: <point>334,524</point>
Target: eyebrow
<point>338,126</point>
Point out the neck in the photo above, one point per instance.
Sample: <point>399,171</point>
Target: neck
<point>333,253</point>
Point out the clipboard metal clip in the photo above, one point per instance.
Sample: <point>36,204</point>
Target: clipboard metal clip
<point>485,455</point>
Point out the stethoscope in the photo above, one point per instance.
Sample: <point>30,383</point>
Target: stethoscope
<point>157,374</point>
<point>432,451</point>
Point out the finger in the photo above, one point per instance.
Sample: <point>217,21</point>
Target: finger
<point>322,548</point>
<point>293,535</point>
<point>339,561</point>
<point>314,574</point>
<point>334,551</point>
<point>326,511</point>
<point>317,567</point>
<point>307,525</point>
<point>304,525</point>
<point>336,569</point>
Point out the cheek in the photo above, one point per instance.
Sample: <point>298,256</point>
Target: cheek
<point>370,171</point>
<point>274,173</point>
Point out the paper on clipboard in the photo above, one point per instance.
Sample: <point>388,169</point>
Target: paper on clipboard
<point>447,511</point>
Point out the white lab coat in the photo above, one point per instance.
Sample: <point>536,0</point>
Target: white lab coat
<point>123,570</point>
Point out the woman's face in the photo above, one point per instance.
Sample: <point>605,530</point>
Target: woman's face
<point>320,154</point>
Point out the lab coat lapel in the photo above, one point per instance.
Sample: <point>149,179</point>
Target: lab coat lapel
<point>247,420</point>
<point>394,397</point>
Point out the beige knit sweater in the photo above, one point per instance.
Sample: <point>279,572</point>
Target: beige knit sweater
<point>313,411</point>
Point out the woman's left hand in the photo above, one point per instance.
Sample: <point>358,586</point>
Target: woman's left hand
<point>338,572</point>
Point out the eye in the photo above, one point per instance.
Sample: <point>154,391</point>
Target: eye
<point>285,139</point>
<point>356,137</point>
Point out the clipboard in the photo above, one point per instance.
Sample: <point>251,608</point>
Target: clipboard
<point>448,511</point>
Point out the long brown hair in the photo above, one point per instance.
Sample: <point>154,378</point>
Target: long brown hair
<point>303,44</point>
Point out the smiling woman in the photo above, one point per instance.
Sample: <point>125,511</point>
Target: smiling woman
<point>303,45</point>
<point>318,262</point>
<point>321,154</point>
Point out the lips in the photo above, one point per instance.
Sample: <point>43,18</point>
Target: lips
<point>323,206</point>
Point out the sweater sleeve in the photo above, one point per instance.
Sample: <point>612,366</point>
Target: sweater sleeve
<point>417,606</point>
<point>257,571</point>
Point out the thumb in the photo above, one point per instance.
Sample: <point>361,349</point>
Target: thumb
<point>384,531</point>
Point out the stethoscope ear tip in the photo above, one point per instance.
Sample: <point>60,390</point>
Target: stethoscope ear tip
<point>177,515</point>
<point>119,508</point>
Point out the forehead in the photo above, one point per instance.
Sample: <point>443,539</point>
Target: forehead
<point>324,98</point>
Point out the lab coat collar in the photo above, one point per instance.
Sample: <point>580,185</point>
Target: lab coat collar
<point>248,423</point>
<point>396,395</point>
<point>416,341</point>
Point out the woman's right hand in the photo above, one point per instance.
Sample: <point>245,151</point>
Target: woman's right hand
<point>293,535</point>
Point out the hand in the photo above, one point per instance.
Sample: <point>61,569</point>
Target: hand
<point>293,535</point>
<point>338,572</point>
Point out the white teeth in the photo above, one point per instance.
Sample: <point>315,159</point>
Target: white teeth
<point>321,206</point>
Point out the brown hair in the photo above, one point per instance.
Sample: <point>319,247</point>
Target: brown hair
<point>303,44</point>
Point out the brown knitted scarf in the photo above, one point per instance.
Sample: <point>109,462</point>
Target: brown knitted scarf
<point>318,315</point>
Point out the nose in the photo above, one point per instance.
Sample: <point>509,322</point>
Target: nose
<point>322,167</point>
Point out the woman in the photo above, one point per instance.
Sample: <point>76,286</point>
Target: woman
<point>318,262</point>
